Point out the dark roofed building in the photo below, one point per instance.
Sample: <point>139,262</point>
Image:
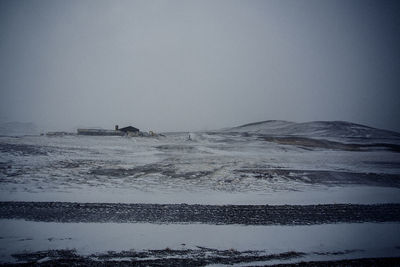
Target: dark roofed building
<point>129,129</point>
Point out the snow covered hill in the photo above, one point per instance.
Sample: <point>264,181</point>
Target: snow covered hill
<point>316,129</point>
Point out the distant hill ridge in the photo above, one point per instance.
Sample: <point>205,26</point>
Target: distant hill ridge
<point>18,128</point>
<point>316,129</point>
<point>264,122</point>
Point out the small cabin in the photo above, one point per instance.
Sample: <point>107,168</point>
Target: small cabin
<point>129,129</point>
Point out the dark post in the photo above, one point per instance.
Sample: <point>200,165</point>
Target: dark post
<point>116,127</point>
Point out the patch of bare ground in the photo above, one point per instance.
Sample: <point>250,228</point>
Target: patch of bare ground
<point>329,178</point>
<point>311,143</point>
<point>165,257</point>
<point>189,257</point>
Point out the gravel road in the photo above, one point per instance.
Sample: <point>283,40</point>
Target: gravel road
<point>209,214</point>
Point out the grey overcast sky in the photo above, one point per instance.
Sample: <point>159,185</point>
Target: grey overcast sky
<point>195,65</point>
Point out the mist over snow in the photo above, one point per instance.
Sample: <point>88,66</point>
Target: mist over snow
<point>18,128</point>
<point>198,65</point>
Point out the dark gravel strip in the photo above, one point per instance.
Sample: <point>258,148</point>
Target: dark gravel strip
<point>384,262</point>
<point>210,214</point>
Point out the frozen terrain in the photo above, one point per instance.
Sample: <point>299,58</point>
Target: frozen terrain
<point>262,193</point>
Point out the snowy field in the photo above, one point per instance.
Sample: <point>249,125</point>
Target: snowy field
<point>270,163</point>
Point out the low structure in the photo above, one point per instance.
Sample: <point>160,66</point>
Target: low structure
<point>130,130</point>
<point>100,132</point>
<point>58,133</point>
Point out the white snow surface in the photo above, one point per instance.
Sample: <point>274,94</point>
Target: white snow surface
<point>212,168</point>
<point>360,240</point>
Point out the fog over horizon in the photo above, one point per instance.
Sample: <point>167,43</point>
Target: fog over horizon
<point>199,65</point>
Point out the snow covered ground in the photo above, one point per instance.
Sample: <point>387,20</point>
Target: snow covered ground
<point>222,168</point>
<point>317,242</point>
<point>266,163</point>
